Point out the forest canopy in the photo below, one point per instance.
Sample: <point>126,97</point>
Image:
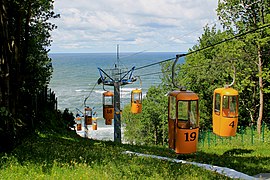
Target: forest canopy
<point>25,68</point>
<point>211,66</point>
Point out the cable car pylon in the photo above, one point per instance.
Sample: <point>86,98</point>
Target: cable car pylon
<point>116,77</point>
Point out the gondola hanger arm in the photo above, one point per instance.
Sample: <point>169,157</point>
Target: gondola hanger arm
<point>232,83</point>
<point>173,71</point>
<point>140,81</point>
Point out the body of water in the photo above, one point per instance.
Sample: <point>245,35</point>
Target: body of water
<point>75,78</point>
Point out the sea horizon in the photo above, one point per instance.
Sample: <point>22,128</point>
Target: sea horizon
<point>75,76</point>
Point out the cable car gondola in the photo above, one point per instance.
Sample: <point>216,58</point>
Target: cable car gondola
<point>94,127</point>
<point>183,119</point>
<point>108,108</point>
<point>88,115</point>
<point>136,101</point>
<point>95,118</point>
<point>79,123</point>
<point>225,110</point>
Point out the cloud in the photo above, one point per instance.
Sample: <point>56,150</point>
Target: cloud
<point>135,25</point>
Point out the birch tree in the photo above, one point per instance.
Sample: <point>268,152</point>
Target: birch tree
<point>248,15</point>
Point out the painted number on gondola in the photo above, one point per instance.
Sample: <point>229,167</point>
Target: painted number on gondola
<point>232,124</point>
<point>191,136</point>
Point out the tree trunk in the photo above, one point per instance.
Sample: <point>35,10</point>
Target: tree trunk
<point>4,58</point>
<point>156,136</point>
<point>259,120</point>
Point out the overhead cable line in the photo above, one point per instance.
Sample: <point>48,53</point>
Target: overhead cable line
<point>154,63</point>
<point>201,49</point>
<point>189,67</point>
<point>184,68</point>
<point>140,52</point>
<point>136,53</point>
<point>192,32</point>
<point>229,39</point>
<point>89,94</point>
<point>212,45</point>
<point>149,74</point>
<point>197,66</point>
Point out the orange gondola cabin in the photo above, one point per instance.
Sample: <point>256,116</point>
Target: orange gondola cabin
<point>88,115</point>
<point>79,123</point>
<point>136,101</point>
<point>225,111</point>
<point>108,108</point>
<point>183,121</point>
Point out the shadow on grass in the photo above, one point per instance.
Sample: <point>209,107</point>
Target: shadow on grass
<point>67,148</point>
<point>46,149</point>
<point>234,159</point>
<point>237,152</point>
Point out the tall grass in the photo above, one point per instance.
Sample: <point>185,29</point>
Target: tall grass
<point>247,152</point>
<point>68,156</point>
<point>54,156</point>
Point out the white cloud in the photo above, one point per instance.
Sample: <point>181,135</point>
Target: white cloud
<point>94,26</point>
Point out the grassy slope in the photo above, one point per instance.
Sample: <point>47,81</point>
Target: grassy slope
<point>244,157</point>
<point>67,156</point>
<point>247,152</point>
<point>54,156</point>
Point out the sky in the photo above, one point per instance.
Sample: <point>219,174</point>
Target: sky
<point>93,26</point>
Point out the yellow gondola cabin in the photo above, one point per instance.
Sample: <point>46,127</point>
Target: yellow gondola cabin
<point>94,127</point>
<point>225,111</point>
<point>183,121</point>
<point>136,101</point>
<point>108,108</point>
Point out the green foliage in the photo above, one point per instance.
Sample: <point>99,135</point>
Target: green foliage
<point>134,128</point>
<point>13,127</point>
<point>26,37</point>
<point>55,121</point>
<point>249,15</point>
<point>206,70</point>
<point>149,127</point>
<point>68,119</point>
<point>211,68</point>
<point>244,15</point>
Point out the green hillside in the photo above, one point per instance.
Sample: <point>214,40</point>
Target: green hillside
<point>53,156</point>
<point>68,156</point>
